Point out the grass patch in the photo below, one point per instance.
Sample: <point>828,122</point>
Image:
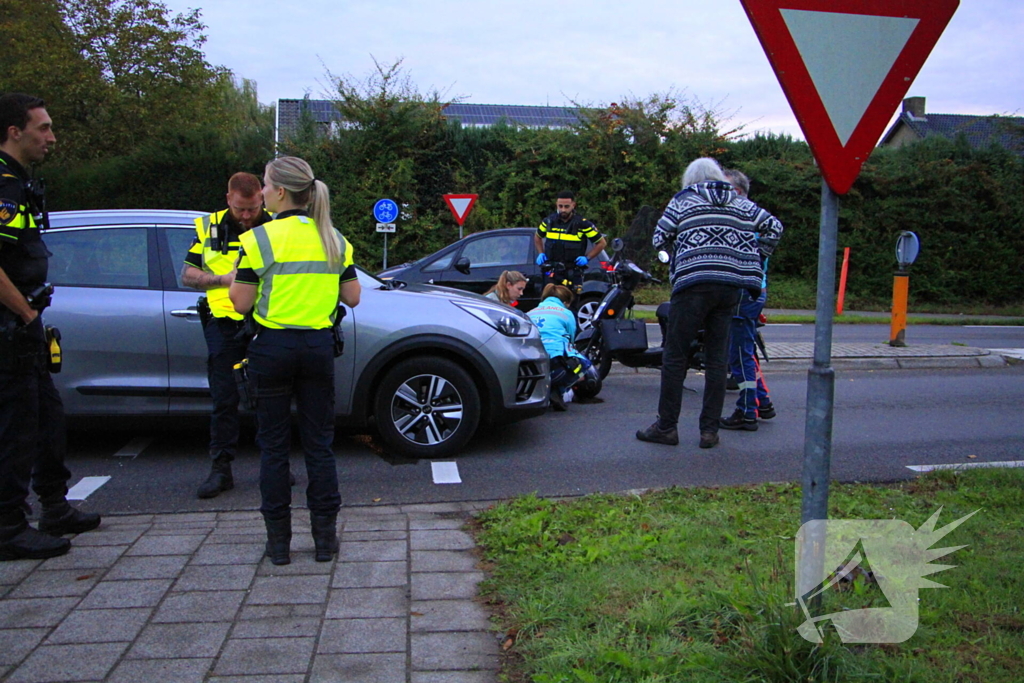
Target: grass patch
<point>692,585</point>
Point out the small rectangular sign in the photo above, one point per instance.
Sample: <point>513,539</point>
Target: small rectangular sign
<point>385,227</point>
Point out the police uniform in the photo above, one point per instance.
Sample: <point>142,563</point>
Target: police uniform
<point>564,241</point>
<point>32,431</point>
<point>293,355</point>
<point>214,250</point>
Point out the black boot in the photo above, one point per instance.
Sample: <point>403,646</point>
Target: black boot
<point>60,518</point>
<point>279,539</point>
<point>19,541</point>
<point>220,479</point>
<point>325,535</point>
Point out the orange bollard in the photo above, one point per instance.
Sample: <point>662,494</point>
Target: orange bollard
<point>842,281</point>
<point>900,290</point>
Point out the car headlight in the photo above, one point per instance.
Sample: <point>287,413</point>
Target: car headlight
<point>510,323</point>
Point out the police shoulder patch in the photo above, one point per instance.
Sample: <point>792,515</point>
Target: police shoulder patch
<point>8,211</point>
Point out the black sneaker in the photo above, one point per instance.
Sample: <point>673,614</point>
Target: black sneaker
<point>63,519</point>
<point>653,434</point>
<point>731,384</point>
<point>557,402</point>
<point>739,421</point>
<point>32,544</point>
<point>708,439</point>
<point>766,411</point>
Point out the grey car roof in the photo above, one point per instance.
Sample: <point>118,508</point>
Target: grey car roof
<point>74,219</point>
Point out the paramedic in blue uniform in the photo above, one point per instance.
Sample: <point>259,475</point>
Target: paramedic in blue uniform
<point>292,273</point>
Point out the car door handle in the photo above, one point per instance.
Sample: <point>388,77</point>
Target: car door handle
<point>190,312</point>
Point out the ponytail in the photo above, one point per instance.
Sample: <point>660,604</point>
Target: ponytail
<point>320,210</point>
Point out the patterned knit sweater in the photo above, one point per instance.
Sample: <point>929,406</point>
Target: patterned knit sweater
<point>718,237</point>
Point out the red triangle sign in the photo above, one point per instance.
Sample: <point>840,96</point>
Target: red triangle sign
<point>461,205</point>
<point>845,65</point>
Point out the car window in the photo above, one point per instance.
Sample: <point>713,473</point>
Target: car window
<point>178,242</point>
<point>499,250</point>
<point>99,257</point>
<point>439,263</point>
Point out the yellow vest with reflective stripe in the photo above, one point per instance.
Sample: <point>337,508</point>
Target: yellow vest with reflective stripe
<point>298,289</point>
<point>217,263</point>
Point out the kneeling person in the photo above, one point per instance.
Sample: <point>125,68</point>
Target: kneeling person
<point>557,326</point>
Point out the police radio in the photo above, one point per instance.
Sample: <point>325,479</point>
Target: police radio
<point>35,196</point>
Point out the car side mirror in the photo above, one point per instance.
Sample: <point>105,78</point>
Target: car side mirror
<point>462,265</point>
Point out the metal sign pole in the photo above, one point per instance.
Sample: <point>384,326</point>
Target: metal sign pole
<point>385,251</point>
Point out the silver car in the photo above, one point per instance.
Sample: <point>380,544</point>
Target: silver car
<point>424,366</point>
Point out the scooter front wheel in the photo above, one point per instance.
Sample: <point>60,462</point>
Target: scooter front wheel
<point>597,353</point>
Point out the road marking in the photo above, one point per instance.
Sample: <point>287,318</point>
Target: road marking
<point>1012,353</point>
<point>965,465</point>
<point>134,447</point>
<point>784,324</point>
<point>445,473</point>
<point>86,487</point>
<point>996,327</point>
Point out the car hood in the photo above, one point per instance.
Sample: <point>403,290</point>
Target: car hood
<point>449,293</point>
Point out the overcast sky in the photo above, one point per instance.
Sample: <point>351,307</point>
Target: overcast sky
<point>596,52</point>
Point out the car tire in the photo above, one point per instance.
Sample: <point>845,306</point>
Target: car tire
<point>587,308</point>
<point>427,407</point>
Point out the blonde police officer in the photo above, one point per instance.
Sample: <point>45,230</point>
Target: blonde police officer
<point>293,272</point>
<point>210,267</point>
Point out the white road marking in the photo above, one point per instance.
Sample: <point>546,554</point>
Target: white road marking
<point>996,327</point>
<point>965,465</point>
<point>134,447</point>
<point>1012,353</point>
<point>86,487</point>
<point>784,324</point>
<point>445,473</point>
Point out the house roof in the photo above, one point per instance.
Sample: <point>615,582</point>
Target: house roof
<point>980,131</point>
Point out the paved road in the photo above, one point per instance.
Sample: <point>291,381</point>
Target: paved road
<point>884,421</point>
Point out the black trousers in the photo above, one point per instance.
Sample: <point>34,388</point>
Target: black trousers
<point>224,352</point>
<point>706,306</point>
<point>300,364</point>
<point>33,437</point>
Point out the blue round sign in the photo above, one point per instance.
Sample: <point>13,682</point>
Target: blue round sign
<point>385,211</point>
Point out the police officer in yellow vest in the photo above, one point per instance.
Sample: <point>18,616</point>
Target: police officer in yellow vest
<point>563,237</point>
<point>210,267</point>
<point>293,272</point>
<point>32,433</point>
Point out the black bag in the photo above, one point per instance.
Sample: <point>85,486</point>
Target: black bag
<point>625,335</point>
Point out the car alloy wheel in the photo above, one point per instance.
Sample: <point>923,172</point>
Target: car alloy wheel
<point>427,407</point>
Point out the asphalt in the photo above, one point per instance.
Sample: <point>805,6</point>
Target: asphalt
<point>182,598</point>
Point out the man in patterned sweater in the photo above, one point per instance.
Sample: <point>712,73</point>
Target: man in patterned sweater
<point>717,239</point>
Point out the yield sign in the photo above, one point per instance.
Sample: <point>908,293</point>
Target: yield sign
<point>461,205</point>
<point>845,65</point>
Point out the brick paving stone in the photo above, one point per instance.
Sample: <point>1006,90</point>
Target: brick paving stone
<point>100,626</point>
<point>265,656</point>
<point>224,553</point>
<point>113,594</point>
<point>127,520</point>
<point>281,611</point>
<point>370,575</point>
<point>446,585</point>
<point>62,663</point>
<point>280,627</point>
<point>186,518</point>
<point>274,590</point>
<point>364,668</point>
<point>431,508</point>
<point>89,557</point>
<point>448,615</point>
<point>367,602</point>
<point>434,524</point>
<point>442,561</point>
<point>215,577</point>
<point>451,651</point>
<point>240,536</point>
<point>166,545</point>
<point>240,515</point>
<point>397,535</point>
<point>280,678</point>
<point>161,670</point>
<point>454,677</point>
<point>13,572</point>
<point>32,612</point>
<point>377,551</point>
<point>302,563</point>
<point>370,512</point>
<point>62,583</point>
<point>192,529</point>
<point>160,567</point>
<point>348,636</point>
<point>444,539</point>
<point>199,606</point>
<point>109,536</point>
<point>176,641</point>
<point>364,525</point>
<point>16,644</point>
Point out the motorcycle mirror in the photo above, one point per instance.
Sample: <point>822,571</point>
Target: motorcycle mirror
<point>617,244</point>
<point>663,256</point>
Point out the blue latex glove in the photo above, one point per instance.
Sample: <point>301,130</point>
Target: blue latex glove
<point>542,259</point>
<point>582,261</point>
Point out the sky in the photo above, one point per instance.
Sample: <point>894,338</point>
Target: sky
<point>587,52</point>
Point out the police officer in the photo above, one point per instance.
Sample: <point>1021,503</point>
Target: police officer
<point>562,237</point>
<point>210,267</point>
<point>293,272</point>
<point>32,434</point>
